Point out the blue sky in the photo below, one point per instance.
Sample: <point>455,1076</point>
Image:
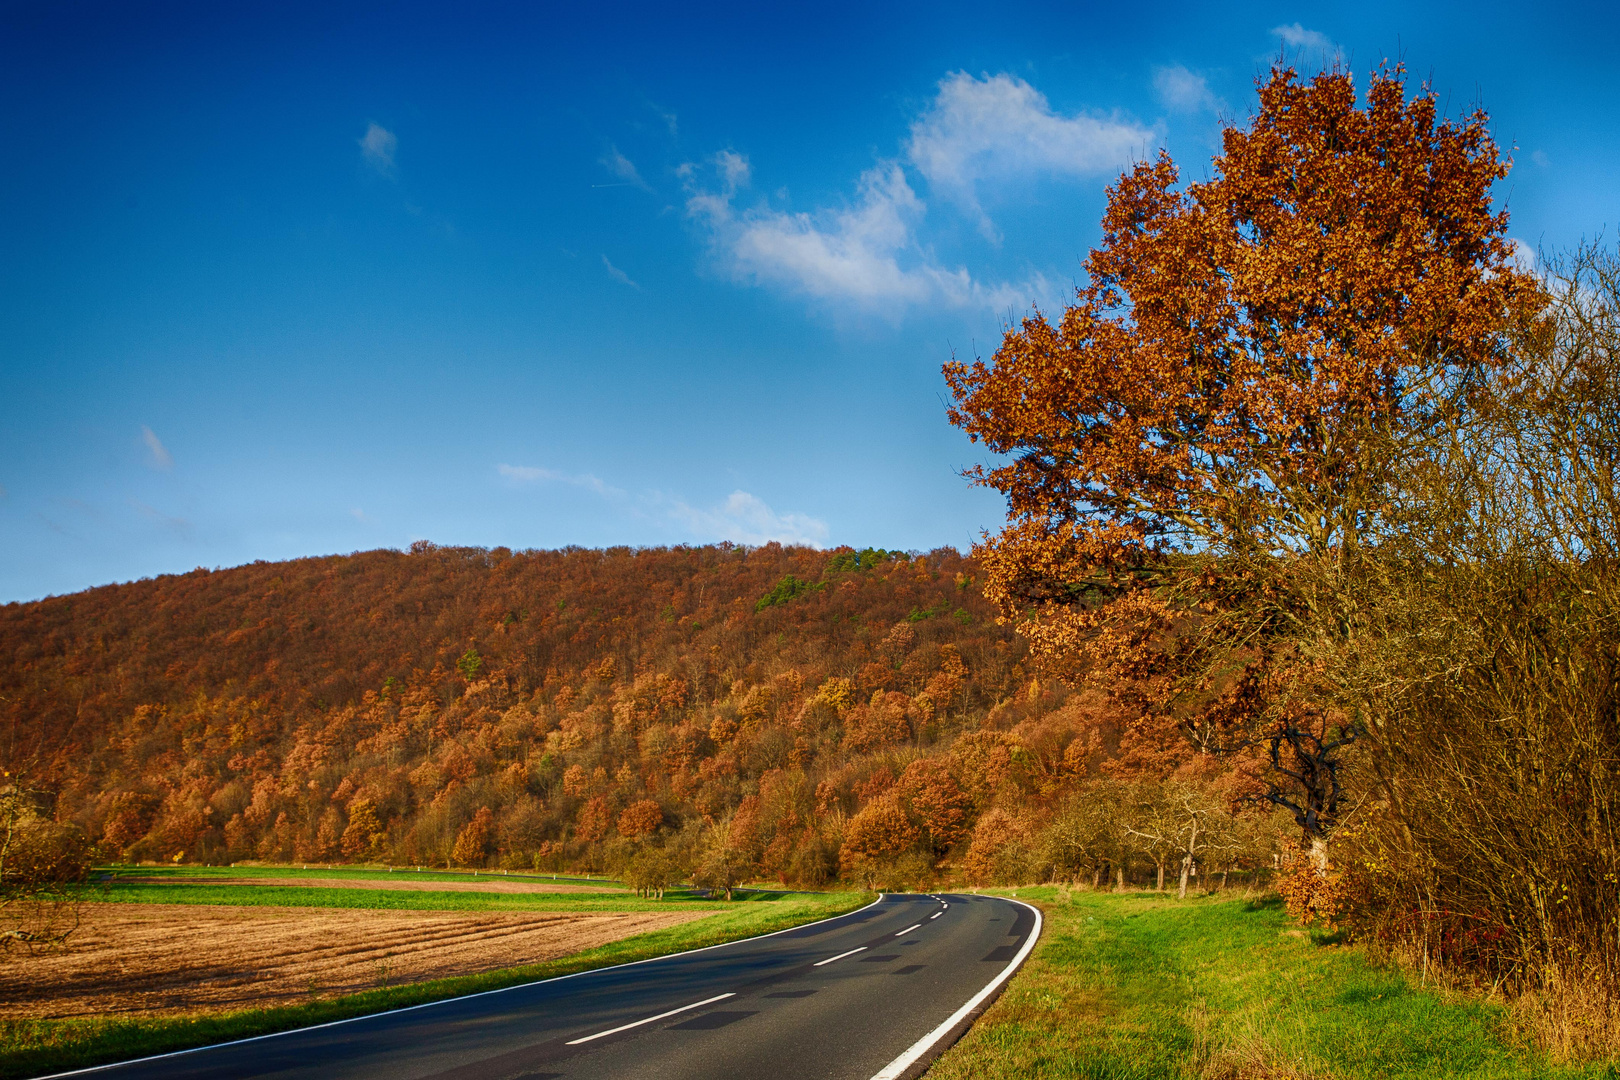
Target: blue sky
<point>279,280</point>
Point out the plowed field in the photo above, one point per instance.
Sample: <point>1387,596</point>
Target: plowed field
<point>149,959</point>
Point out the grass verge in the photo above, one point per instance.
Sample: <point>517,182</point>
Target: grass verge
<point>37,1047</point>
<point>223,885</point>
<point>1141,987</point>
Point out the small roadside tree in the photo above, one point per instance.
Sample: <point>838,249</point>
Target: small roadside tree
<point>724,860</point>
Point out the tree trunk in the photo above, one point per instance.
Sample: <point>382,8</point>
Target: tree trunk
<point>1119,879</point>
<point>1319,854</point>
<point>1096,877</point>
<point>1186,867</point>
<point>1223,878</point>
<point>1158,883</point>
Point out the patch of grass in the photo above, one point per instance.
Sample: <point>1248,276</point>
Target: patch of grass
<point>1141,987</point>
<point>398,873</point>
<point>34,1047</point>
<point>222,885</point>
<point>308,896</point>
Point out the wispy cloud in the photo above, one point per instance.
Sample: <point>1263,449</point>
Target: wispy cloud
<point>359,515</point>
<point>177,525</point>
<point>158,454</point>
<point>1299,37</point>
<point>997,126</point>
<point>747,519</point>
<point>377,148</point>
<point>865,253</point>
<point>618,275</point>
<point>623,168</point>
<point>531,474</point>
<point>1182,90</point>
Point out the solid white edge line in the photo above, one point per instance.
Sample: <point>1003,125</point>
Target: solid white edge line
<point>445,1001</point>
<point>840,956</point>
<point>907,930</point>
<point>650,1019</point>
<point>894,1069</point>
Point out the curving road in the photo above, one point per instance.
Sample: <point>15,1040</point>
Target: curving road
<point>875,993</point>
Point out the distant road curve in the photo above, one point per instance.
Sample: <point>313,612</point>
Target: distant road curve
<point>872,995</point>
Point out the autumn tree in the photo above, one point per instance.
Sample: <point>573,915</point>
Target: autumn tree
<point>364,836</point>
<point>936,803</point>
<point>877,838</point>
<point>641,818</point>
<point>1202,451</point>
<point>473,842</point>
<point>724,860</point>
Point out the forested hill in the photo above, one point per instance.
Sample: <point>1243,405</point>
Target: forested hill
<point>532,708</point>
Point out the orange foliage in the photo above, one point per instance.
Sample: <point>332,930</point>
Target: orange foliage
<point>641,818</point>
<point>1223,416</point>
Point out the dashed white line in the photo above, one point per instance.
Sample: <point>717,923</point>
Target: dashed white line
<point>898,1067</point>
<point>907,930</point>
<point>840,956</point>
<point>650,1019</point>
<point>936,915</point>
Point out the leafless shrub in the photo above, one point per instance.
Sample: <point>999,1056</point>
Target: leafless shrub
<point>43,865</point>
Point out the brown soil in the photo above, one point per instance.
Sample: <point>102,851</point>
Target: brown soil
<point>145,959</point>
<point>494,885</point>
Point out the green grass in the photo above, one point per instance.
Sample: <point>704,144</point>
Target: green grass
<point>1141,987</point>
<point>35,1047</point>
<point>214,885</point>
<point>250,870</point>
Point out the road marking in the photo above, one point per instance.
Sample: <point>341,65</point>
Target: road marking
<point>840,956</point>
<point>907,930</point>
<point>936,915</point>
<point>898,1067</point>
<point>650,1019</point>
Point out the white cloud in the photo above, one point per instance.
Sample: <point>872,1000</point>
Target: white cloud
<point>160,456</point>
<point>530,474</point>
<point>865,253</point>
<point>1540,158</point>
<point>359,515</point>
<point>1182,90</point>
<point>1525,258</point>
<point>622,167</point>
<point>869,251</point>
<point>618,275</point>
<point>746,519</point>
<point>377,147</point>
<point>1301,38</point>
<point>998,126</point>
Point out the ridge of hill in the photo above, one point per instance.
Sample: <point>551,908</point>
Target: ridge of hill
<point>490,707</point>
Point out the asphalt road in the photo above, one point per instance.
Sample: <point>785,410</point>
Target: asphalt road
<point>854,997</point>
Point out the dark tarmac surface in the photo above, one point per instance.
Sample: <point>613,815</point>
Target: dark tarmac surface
<point>788,1006</point>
